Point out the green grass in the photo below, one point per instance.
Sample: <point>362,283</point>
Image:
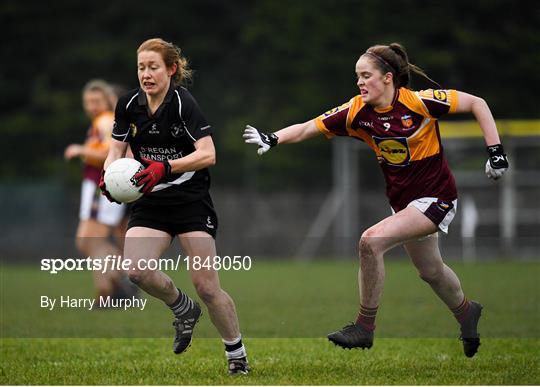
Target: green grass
<point>274,362</point>
<point>285,309</point>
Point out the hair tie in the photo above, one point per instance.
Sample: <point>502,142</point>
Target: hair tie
<point>381,60</point>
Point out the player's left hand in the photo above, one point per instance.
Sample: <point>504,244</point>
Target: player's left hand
<point>103,189</point>
<point>263,140</point>
<point>154,172</point>
<point>497,163</point>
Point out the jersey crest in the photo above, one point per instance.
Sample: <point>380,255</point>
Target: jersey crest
<point>133,129</point>
<point>406,121</point>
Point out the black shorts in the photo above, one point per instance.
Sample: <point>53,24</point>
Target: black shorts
<point>178,218</point>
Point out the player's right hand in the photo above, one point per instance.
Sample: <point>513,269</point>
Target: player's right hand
<point>154,172</point>
<point>72,151</point>
<point>263,140</point>
<point>103,189</point>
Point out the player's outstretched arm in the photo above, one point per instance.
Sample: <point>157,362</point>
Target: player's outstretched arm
<point>85,151</point>
<point>497,163</point>
<point>290,134</point>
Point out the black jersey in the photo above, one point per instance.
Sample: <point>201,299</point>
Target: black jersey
<point>168,134</point>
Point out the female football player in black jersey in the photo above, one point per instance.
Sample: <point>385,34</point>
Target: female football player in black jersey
<point>168,133</point>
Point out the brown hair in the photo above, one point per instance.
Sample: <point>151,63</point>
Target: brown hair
<point>171,54</point>
<point>103,87</point>
<point>393,58</point>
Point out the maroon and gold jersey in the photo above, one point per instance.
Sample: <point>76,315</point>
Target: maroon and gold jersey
<point>98,137</point>
<point>405,137</point>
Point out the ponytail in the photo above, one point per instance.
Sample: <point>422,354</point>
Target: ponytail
<point>397,62</point>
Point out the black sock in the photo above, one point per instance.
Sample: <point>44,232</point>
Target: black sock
<point>235,349</point>
<point>182,304</point>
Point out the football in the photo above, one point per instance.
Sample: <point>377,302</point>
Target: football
<point>119,180</point>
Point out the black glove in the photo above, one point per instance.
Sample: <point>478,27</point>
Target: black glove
<point>497,163</point>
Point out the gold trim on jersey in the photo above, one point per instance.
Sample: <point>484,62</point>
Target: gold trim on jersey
<point>419,144</point>
<point>448,97</point>
<point>99,136</point>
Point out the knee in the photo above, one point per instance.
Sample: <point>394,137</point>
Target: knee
<point>83,244</point>
<point>368,246</point>
<point>137,276</point>
<point>431,274</point>
<point>206,290</point>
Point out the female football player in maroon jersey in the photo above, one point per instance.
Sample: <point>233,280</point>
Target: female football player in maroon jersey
<point>400,125</point>
<point>98,218</point>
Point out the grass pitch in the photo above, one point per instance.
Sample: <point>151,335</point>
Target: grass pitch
<point>274,362</point>
<point>285,310</point>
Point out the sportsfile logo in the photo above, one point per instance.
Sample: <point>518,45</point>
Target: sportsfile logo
<point>118,263</point>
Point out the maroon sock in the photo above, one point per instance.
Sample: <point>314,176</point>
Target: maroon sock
<point>460,311</point>
<point>366,317</point>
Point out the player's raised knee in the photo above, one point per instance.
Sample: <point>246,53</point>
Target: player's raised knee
<point>368,244</point>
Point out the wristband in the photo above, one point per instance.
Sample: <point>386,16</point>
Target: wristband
<point>495,150</point>
<point>167,166</point>
<point>272,140</point>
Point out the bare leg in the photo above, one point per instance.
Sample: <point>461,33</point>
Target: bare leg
<point>141,245</point>
<point>403,226</point>
<point>220,305</point>
<point>119,232</point>
<point>92,241</point>
<point>426,256</point>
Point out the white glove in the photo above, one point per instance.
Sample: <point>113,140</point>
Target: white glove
<point>264,141</point>
<point>497,163</point>
<point>494,173</point>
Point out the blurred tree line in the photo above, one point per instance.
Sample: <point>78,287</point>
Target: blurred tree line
<point>267,63</point>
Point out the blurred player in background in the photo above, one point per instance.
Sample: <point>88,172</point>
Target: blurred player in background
<point>168,133</point>
<point>98,218</point>
<point>401,126</point>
